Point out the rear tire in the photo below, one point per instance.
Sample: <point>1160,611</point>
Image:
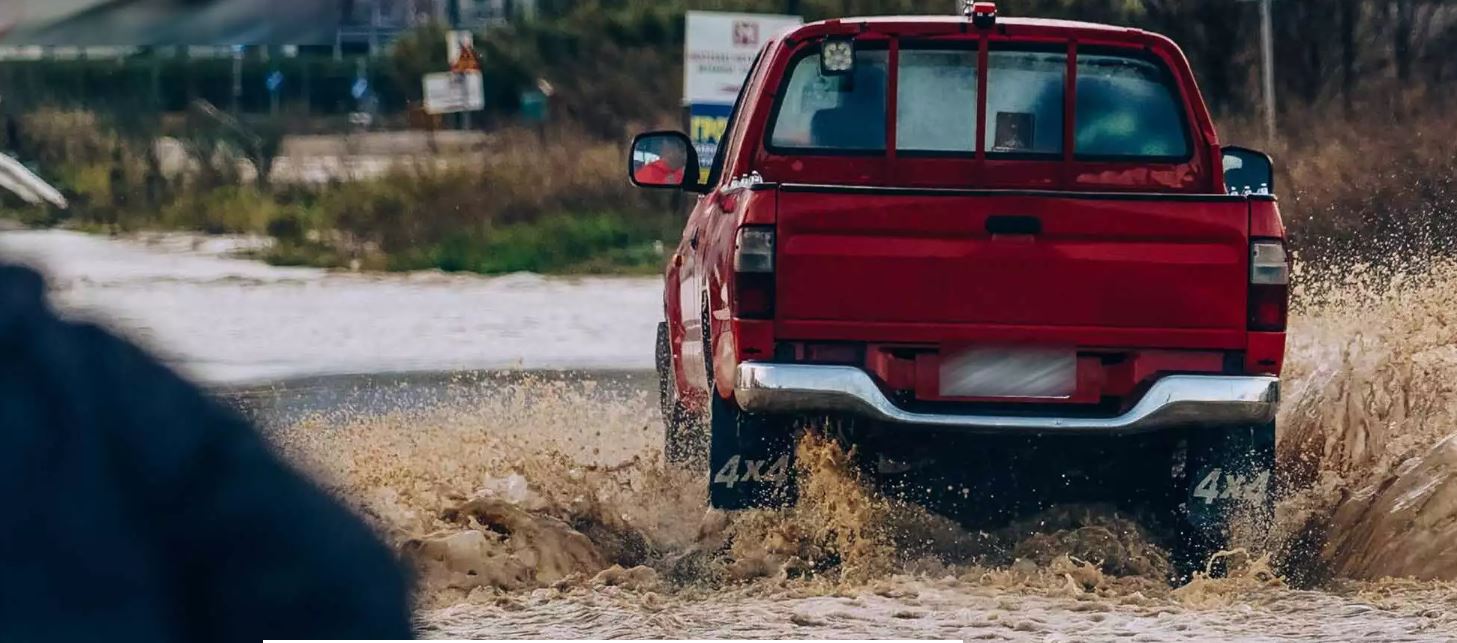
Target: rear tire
<point>685,442</point>
<point>1227,491</point>
<point>750,456</point>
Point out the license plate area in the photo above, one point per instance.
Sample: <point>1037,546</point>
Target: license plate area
<point>1001,373</point>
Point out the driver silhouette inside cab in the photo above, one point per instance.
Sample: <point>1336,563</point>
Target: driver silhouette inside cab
<point>858,122</point>
<point>667,169</point>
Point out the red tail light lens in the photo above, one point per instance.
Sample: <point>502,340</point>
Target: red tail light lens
<point>1269,305</point>
<point>755,293</point>
<point>754,272</point>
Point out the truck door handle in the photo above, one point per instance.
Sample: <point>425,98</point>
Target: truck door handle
<point>1014,224</point>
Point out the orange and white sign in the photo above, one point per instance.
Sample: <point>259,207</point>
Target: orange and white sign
<point>458,43</point>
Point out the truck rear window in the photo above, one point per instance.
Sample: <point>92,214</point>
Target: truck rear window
<point>1126,105</point>
<point>936,101</point>
<point>833,112</point>
<point>1127,108</point>
<point>1025,102</point>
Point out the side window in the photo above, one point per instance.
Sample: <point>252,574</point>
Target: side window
<point>1025,102</point>
<point>1127,108</point>
<point>936,101</point>
<point>840,113</point>
<point>720,156</point>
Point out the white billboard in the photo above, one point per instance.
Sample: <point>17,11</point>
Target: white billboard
<point>719,49</point>
<point>450,93</point>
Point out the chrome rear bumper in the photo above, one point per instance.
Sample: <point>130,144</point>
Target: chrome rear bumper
<point>1173,401</point>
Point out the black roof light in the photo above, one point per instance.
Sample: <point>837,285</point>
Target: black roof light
<point>837,56</point>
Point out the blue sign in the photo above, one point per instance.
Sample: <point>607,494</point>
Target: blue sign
<point>275,81</point>
<point>360,88</point>
<point>707,124</point>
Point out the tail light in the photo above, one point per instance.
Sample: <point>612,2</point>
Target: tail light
<point>1269,304</point>
<point>754,272</point>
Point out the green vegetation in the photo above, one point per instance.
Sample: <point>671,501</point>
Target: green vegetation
<point>593,243</point>
<point>527,206</point>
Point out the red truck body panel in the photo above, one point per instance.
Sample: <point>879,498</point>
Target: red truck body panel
<point>1137,272</point>
<point>889,262</point>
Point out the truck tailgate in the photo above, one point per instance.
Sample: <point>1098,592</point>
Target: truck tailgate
<point>964,266</point>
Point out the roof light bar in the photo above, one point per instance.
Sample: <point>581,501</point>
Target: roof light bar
<point>982,14</point>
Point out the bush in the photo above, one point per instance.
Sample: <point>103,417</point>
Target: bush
<point>228,209</point>
<point>1364,189</point>
<point>560,243</point>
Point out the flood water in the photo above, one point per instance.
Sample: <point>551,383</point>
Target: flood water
<point>534,503</point>
<point>231,321</point>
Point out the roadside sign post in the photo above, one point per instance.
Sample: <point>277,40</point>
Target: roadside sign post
<point>462,89</point>
<point>456,42</point>
<point>718,52</point>
<point>454,93</point>
<point>534,110</point>
<point>363,115</point>
<point>275,86</point>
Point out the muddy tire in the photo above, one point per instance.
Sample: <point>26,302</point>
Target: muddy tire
<point>750,457</point>
<point>685,442</point>
<point>1227,490</point>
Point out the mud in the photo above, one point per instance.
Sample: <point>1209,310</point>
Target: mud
<point>541,508</point>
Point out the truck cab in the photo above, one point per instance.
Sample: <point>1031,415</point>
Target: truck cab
<point>975,229</point>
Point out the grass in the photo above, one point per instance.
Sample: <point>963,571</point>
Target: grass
<point>593,243</point>
<point>559,244</point>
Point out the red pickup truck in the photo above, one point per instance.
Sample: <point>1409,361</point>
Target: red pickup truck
<point>1012,252</point>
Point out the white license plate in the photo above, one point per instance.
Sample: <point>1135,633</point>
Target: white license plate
<point>1010,372</point>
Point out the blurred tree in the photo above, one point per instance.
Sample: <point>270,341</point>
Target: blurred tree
<point>1350,14</point>
<point>416,53</point>
<point>1402,37</point>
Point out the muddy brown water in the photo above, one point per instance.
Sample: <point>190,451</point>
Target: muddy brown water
<point>537,505</point>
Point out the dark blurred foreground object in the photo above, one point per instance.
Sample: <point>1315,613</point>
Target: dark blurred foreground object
<point>134,508</point>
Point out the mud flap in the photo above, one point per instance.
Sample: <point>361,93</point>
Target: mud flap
<point>750,459</point>
<point>1229,480</point>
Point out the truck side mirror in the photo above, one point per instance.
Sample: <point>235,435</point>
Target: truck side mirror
<point>1248,171</point>
<point>663,160</point>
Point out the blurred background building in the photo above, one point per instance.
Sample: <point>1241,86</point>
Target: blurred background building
<point>142,23</point>
<point>376,22</point>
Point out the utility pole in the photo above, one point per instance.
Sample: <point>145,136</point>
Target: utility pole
<point>1267,56</point>
<point>1267,65</point>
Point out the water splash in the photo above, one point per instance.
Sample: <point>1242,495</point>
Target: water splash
<point>1367,426</point>
<point>559,487</point>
